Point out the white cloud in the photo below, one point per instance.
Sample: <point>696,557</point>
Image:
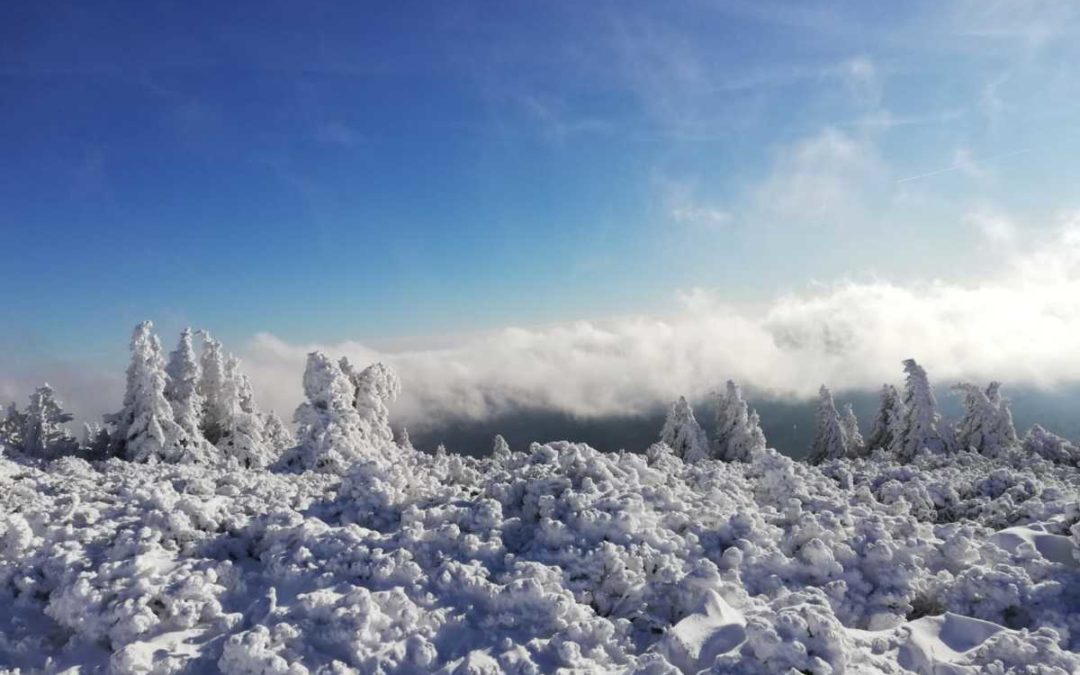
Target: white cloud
<point>996,228</point>
<point>1022,326</point>
<point>822,178</point>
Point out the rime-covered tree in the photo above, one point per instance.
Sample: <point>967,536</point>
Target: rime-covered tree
<point>829,442</point>
<point>11,427</point>
<point>329,434</point>
<point>683,434</point>
<point>144,429</point>
<point>240,428</point>
<point>96,440</point>
<point>738,428</point>
<point>43,432</point>
<point>213,388</point>
<point>182,386</point>
<point>987,425</point>
<point>921,419</point>
<point>977,419</point>
<point>375,387</point>
<point>276,434</point>
<point>889,422</point>
<point>856,446</point>
<point>241,387</point>
<point>1005,427</point>
<point>404,441</point>
<point>230,418</point>
<point>500,449</point>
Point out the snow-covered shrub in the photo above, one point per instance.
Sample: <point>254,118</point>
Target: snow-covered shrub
<point>375,388</point>
<point>345,417</point>
<point>329,433</point>
<point>1040,442</point>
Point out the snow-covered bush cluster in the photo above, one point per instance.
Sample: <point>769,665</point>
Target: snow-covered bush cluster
<point>192,534</point>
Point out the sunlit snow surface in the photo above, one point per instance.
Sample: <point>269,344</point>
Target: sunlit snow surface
<point>557,557</point>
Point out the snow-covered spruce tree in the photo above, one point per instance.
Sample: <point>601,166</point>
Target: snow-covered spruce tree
<point>144,429</point>
<point>230,418</point>
<point>921,419</point>
<point>239,424</point>
<point>276,434</point>
<point>1005,428</point>
<point>96,440</point>
<point>182,386</point>
<point>829,442</point>
<point>683,434</point>
<point>43,432</point>
<point>987,425</point>
<point>212,388</point>
<point>889,423</point>
<point>856,446</point>
<point>500,448</point>
<point>978,416</point>
<point>329,434</point>
<point>375,388</point>
<point>11,428</point>
<point>738,428</point>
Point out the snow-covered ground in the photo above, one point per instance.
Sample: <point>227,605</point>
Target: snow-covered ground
<point>557,556</point>
<point>351,552</point>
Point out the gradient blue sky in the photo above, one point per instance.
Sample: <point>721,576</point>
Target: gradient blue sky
<point>366,170</point>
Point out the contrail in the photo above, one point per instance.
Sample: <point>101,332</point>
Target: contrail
<point>954,167</point>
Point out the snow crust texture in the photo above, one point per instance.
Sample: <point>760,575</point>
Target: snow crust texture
<point>558,557</point>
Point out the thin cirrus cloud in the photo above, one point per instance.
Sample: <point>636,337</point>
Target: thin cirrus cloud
<point>1022,326</point>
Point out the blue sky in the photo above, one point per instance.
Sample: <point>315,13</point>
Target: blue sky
<point>332,171</point>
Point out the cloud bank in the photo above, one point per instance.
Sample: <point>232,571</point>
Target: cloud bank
<point>1022,326</point>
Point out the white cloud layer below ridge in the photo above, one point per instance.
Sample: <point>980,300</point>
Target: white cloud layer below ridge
<point>1023,327</point>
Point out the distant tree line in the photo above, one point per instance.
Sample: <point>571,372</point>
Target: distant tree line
<point>907,423</point>
<point>199,407</point>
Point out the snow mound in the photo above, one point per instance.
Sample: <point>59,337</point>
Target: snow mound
<point>1054,548</point>
<point>694,643</point>
<point>939,644</point>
